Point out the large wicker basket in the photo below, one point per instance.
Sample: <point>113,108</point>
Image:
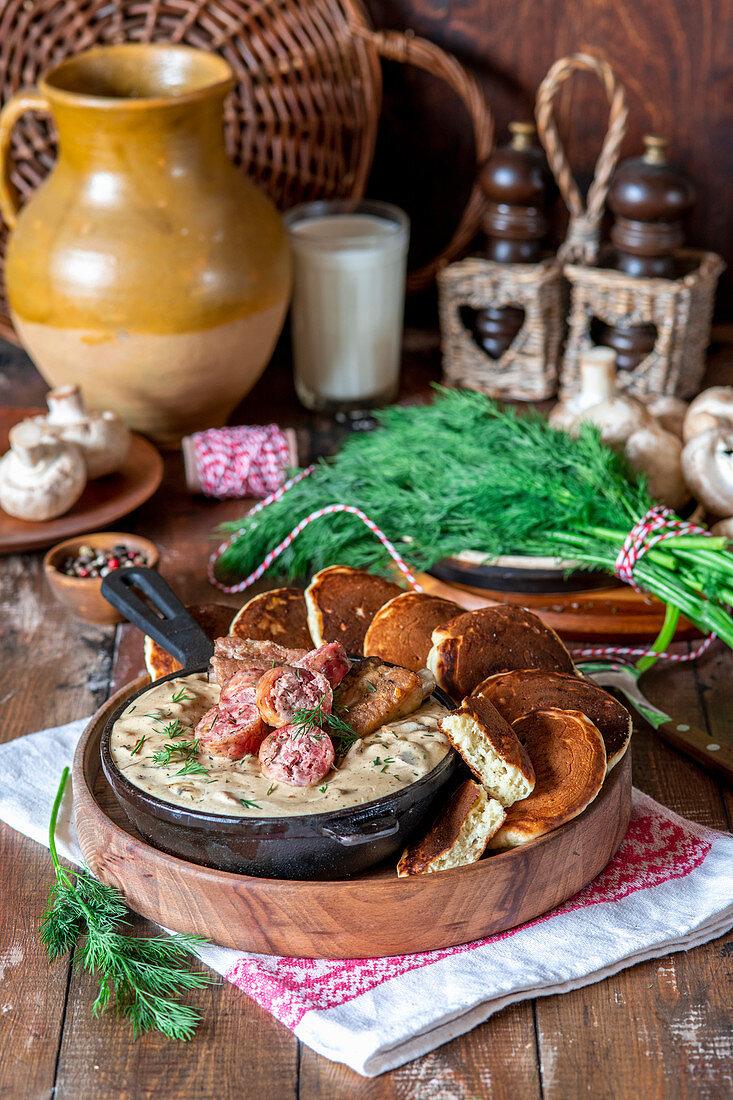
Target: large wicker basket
<point>302,119</point>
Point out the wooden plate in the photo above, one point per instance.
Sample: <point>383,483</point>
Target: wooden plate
<point>371,915</point>
<point>102,502</point>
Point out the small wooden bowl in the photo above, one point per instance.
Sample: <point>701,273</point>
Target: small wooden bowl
<point>83,595</point>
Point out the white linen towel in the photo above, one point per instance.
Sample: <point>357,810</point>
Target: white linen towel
<point>669,888</point>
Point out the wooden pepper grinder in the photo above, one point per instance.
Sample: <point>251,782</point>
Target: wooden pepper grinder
<point>650,198</point>
<point>517,182</point>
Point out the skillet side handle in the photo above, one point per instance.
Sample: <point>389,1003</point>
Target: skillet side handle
<point>374,830</point>
<point>167,621</point>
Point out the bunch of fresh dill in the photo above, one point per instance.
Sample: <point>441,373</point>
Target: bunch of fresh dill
<point>463,474</point>
<point>144,976</point>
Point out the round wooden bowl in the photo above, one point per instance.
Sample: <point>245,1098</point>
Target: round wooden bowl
<point>373,914</point>
<point>82,596</point>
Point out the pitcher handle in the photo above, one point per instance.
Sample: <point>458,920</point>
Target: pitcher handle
<point>27,100</point>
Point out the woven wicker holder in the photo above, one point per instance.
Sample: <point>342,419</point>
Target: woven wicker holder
<point>527,370</point>
<point>680,309</point>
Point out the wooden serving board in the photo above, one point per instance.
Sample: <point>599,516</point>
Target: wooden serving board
<point>374,914</point>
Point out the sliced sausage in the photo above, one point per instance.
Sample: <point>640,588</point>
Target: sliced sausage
<point>330,660</point>
<point>299,759</point>
<point>283,691</point>
<point>240,689</point>
<point>225,735</point>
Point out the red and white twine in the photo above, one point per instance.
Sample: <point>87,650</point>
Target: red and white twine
<point>248,461</point>
<point>658,525</point>
<point>274,554</point>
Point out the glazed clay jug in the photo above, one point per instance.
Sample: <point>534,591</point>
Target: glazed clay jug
<point>146,268</point>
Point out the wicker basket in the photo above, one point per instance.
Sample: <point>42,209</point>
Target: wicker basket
<point>302,119</point>
<point>680,309</point>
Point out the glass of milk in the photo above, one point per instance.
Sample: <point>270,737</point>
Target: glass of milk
<point>347,313</point>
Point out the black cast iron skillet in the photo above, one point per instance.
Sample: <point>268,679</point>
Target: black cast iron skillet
<point>311,846</point>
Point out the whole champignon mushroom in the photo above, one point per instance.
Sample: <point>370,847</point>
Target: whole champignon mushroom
<point>713,408</point>
<point>597,383</point>
<point>723,528</point>
<point>104,438</point>
<point>668,411</point>
<point>658,454</point>
<point>707,463</point>
<point>618,418</point>
<point>40,480</point>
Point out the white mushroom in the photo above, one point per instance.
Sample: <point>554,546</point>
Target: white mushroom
<point>723,528</point>
<point>668,411</point>
<point>713,408</point>
<point>102,436</point>
<point>597,384</point>
<point>657,454</point>
<point>617,418</point>
<point>707,463</point>
<point>39,481</point>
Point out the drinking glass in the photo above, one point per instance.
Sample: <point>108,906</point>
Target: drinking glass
<point>347,312</point>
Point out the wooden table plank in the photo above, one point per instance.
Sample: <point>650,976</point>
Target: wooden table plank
<point>52,670</point>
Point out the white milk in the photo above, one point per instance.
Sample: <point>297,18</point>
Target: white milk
<point>348,305</point>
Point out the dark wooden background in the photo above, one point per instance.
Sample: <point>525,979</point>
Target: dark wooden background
<point>675,58</point>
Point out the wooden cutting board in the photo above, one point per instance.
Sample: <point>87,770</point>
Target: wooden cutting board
<point>603,615</point>
<point>374,914</point>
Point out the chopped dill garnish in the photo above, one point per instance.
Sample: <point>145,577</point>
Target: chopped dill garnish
<point>271,788</point>
<point>370,686</point>
<point>311,720</point>
<point>324,788</point>
<point>138,746</point>
<point>249,805</point>
<point>173,729</point>
<point>180,696</point>
<point>180,752</point>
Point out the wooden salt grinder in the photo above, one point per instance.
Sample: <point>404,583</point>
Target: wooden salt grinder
<point>517,183</point>
<point>649,198</point>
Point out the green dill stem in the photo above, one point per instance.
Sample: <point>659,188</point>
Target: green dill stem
<point>61,874</point>
<point>663,639</point>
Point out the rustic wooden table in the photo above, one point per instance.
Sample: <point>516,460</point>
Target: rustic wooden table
<point>661,1029</point>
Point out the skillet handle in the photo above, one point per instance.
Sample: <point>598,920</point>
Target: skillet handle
<point>373,830</point>
<point>167,621</point>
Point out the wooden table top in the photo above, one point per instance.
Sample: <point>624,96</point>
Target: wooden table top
<point>660,1029</point>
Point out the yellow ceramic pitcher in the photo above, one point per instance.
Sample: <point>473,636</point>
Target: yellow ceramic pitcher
<point>146,268</point>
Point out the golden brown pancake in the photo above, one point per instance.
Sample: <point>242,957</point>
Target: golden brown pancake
<point>276,616</point>
<point>213,618</point>
<point>491,749</point>
<point>518,692</point>
<point>569,760</point>
<point>459,836</point>
<point>342,603</point>
<point>401,631</point>
<point>480,643</point>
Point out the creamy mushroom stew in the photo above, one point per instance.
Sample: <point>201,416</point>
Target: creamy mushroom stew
<point>379,764</point>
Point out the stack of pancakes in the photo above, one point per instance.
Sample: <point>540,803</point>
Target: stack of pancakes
<point>538,738</point>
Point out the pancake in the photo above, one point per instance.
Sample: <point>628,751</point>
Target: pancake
<point>491,749</point>
<point>341,604</point>
<point>401,631</point>
<point>516,693</point>
<point>569,760</point>
<point>214,620</point>
<point>276,616</point>
<point>480,643</point>
<point>458,837</point>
